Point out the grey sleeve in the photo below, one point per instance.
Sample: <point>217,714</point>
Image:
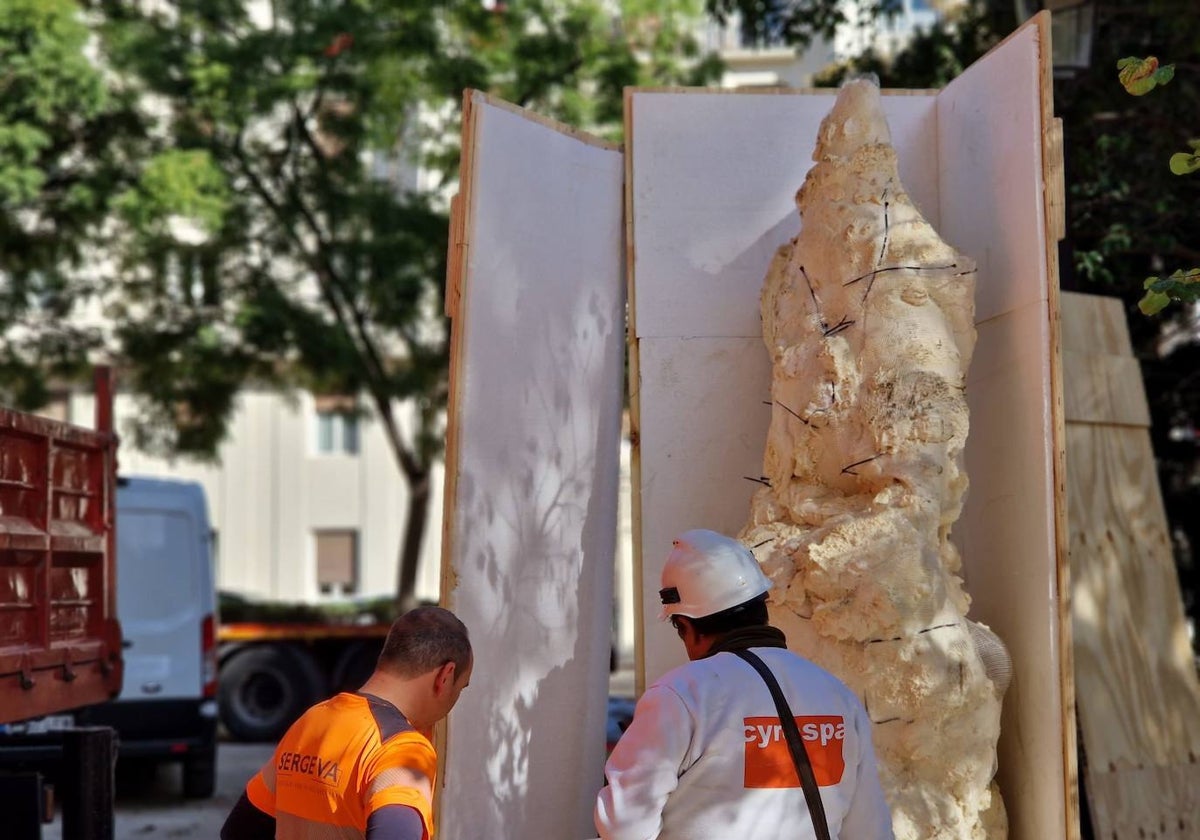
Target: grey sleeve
<point>395,822</point>
<point>245,822</point>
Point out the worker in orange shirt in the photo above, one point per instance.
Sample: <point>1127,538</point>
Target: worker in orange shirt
<point>361,764</point>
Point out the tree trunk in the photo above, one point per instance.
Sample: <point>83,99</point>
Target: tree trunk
<point>410,544</point>
<point>416,479</point>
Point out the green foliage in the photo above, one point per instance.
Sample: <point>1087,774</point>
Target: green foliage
<point>47,89</point>
<point>235,608</point>
<point>1129,217</point>
<point>177,184</point>
<point>797,22</point>
<point>62,135</point>
<point>1182,286</point>
<point>1139,76</point>
<point>1185,163</point>
<point>274,232</point>
<point>935,56</point>
<point>278,207</point>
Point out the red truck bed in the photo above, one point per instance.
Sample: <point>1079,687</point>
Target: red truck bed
<point>60,643</point>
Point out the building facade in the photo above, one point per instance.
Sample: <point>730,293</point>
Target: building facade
<point>307,500</point>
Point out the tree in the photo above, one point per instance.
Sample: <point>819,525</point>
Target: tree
<point>277,233</point>
<point>798,22</point>
<point>59,165</point>
<point>934,56</point>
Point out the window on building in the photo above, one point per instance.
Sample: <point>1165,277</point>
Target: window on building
<point>337,425</point>
<point>337,562</point>
<point>768,29</point>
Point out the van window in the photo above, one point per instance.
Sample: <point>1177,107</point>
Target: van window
<point>156,564</point>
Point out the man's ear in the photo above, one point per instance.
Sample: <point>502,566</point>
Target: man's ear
<point>443,678</point>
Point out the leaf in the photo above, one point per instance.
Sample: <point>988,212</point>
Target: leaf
<point>1140,76</point>
<point>1182,286</point>
<point>1153,303</point>
<point>1184,164</point>
<point>1136,74</point>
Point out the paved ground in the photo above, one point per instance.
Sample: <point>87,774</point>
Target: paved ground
<point>150,807</point>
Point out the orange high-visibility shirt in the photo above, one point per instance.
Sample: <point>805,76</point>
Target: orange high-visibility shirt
<point>343,759</point>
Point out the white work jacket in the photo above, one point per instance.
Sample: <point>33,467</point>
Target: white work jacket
<point>706,759</point>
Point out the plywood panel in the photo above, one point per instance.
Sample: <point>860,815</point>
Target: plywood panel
<point>532,473</point>
<point>1138,693</point>
<point>1094,324</point>
<point>1104,389</point>
<point>713,182</point>
<point>1138,698</point>
<point>1147,803</point>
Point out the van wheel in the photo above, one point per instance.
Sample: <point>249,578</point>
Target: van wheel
<point>264,688</point>
<point>200,776</point>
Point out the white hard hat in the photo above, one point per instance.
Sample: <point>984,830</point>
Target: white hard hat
<point>706,573</point>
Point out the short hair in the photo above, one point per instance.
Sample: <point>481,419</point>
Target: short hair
<point>424,639</point>
<point>752,613</point>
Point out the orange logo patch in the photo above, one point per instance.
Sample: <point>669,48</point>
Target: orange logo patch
<point>769,763</point>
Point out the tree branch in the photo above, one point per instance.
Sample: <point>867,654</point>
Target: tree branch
<point>352,323</point>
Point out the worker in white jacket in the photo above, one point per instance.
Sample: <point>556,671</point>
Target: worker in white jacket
<point>705,757</point>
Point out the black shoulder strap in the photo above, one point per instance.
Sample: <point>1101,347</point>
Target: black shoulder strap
<point>812,795</point>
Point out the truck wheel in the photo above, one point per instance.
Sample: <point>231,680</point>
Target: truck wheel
<point>264,688</point>
<point>199,776</point>
<point>355,664</point>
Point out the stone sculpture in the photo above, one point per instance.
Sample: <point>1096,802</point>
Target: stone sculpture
<point>868,317</point>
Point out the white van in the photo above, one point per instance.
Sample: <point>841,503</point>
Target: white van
<point>166,603</point>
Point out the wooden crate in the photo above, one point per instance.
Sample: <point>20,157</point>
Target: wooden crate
<point>535,282</point>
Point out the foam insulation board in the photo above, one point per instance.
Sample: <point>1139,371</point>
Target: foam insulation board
<point>709,189</point>
<point>537,297</point>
